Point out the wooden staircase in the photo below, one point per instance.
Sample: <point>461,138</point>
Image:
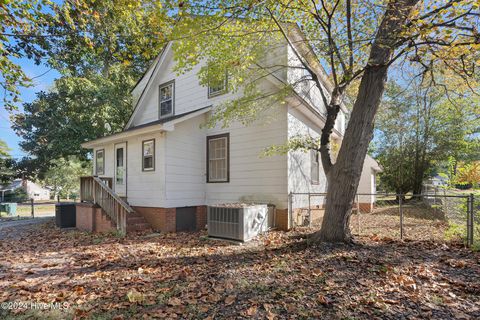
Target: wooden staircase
<point>98,191</point>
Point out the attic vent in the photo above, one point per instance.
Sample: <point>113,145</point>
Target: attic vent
<point>237,221</point>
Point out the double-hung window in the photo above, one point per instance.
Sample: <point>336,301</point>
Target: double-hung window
<point>148,155</point>
<point>218,161</point>
<point>314,167</point>
<point>166,99</point>
<point>100,162</point>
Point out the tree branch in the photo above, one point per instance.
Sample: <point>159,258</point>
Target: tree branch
<point>300,58</point>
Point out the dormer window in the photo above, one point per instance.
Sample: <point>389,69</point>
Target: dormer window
<point>166,99</point>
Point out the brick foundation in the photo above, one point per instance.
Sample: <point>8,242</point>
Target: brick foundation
<point>161,219</point>
<point>201,216</point>
<point>364,207</point>
<point>92,218</point>
<point>282,222</point>
<point>164,219</point>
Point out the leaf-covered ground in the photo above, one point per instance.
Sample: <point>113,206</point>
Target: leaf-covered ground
<point>280,276</point>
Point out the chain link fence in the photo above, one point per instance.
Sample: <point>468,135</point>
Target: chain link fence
<point>29,209</point>
<point>436,214</point>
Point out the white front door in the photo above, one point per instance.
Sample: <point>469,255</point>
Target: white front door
<point>120,179</point>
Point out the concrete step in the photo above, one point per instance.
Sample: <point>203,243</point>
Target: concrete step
<point>138,227</point>
<point>135,220</point>
<point>134,215</point>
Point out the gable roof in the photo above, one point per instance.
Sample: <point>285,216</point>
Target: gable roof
<point>166,119</point>
<point>373,163</point>
<point>299,42</point>
<point>154,70</point>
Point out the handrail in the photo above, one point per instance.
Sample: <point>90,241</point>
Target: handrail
<point>95,190</point>
<point>113,194</point>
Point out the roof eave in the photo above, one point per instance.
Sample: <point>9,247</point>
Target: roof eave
<point>157,127</point>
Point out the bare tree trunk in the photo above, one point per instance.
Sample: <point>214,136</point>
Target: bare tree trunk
<point>344,176</point>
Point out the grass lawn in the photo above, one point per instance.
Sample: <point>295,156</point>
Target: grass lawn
<point>280,276</point>
<point>25,212</point>
<point>40,209</point>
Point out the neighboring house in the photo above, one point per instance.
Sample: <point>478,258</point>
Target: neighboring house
<point>33,190</point>
<point>438,181</point>
<point>169,167</point>
<point>367,188</point>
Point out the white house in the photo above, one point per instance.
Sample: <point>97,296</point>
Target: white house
<point>168,167</point>
<point>33,190</point>
<point>367,188</point>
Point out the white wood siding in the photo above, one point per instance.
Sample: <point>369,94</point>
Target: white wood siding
<point>308,90</point>
<point>108,160</point>
<point>179,178</point>
<point>367,183</point>
<point>185,164</point>
<point>188,94</point>
<point>254,178</point>
<point>144,188</point>
<point>299,166</point>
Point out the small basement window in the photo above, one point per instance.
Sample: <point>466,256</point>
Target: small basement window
<point>314,167</point>
<point>218,161</point>
<point>148,152</point>
<point>100,162</point>
<point>166,99</point>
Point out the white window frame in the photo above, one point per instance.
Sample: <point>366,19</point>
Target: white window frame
<point>97,172</point>
<point>172,99</point>
<point>143,155</point>
<point>226,158</point>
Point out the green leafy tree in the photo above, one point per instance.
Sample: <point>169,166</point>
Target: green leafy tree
<point>77,37</point>
<point>101,48</point>
<point>90,37</point>
<point>64,176</point>
<point>20,22</point>
<point>6,163</point>
<point>76,109</point>
<point>419,128</point>
<point>355,41</point>
<point>18,195</point>
<point>4,149</point>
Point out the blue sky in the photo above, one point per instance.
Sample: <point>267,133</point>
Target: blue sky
<point>27,95</point>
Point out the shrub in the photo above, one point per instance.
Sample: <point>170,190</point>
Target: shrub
<point>18,195</point>
<point>468,175</point>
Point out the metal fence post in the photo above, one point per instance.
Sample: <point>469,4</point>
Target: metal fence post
<point>309,210</point>
<point>445,204</point>
<point>290,211</point>
<point>33,208</point>
<point>358,214</point>
<point>470,218</point>
<point>400,208</point>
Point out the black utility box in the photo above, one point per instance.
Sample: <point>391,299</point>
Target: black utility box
<point>65,215</point>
